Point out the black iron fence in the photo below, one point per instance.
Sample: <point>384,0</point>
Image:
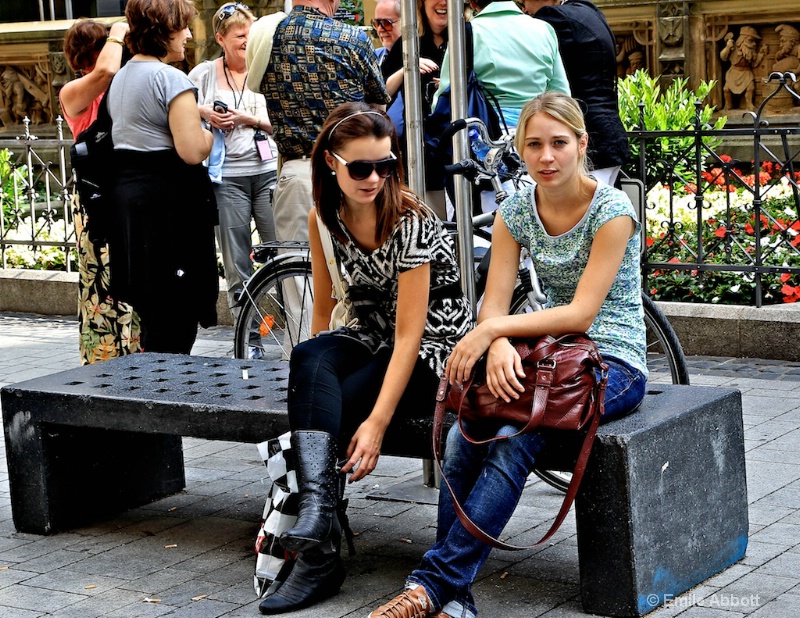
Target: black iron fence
<point>720,229</point>
<point>717,229</point>
<point>36,228</point>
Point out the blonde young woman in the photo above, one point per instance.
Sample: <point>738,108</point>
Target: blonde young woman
<point>107,328</point>
<point>584,240</point>
<point>346,386</point>
<point>249,167</point>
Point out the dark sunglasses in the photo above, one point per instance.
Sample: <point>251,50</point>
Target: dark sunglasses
<point>361,170</point>
<point>386,24</point>
<point>228,11</point>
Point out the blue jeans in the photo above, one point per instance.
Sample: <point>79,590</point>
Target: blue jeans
<point>488,482</point>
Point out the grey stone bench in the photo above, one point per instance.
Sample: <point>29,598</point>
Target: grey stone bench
<point>663,504</point>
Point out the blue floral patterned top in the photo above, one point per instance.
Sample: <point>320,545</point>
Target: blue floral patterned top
<point>619,329</point>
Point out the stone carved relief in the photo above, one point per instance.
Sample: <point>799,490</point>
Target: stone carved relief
<point>787,58</point>
<point>744,53</point>
<point>24,92</point>
<point>670,31</point>
<point>629,56</point>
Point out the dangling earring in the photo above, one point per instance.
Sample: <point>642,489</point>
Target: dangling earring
<point>333,172</point>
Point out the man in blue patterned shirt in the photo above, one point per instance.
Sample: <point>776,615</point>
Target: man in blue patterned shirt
<point>317,63</point>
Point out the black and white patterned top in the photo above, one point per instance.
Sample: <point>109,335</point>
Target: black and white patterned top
<point>372,276</point>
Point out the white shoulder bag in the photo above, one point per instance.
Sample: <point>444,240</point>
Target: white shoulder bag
<point>343,314</point>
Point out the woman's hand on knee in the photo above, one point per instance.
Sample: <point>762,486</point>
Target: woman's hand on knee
<point>364,450</point>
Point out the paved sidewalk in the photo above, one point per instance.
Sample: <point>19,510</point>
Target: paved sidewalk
<point>191,555</point>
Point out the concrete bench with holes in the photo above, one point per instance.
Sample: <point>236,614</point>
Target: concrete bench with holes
<point>663,504</point>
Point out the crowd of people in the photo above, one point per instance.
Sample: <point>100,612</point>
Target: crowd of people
<point>300,102</point>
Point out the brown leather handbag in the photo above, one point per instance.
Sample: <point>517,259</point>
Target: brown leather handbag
<point>562,392</point>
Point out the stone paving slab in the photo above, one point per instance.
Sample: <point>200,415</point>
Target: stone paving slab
<point>109,569</point>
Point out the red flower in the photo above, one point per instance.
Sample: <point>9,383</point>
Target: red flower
<point>649,242</point>
<point>720,231</point>
<point>791,294</point>
<point>725,158</point>
<point>653,291</point>
<point>749,228</point>
<point>785,277</point>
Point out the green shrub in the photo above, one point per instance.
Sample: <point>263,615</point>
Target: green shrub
<point>672,110</point>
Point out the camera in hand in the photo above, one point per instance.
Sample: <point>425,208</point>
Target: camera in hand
<point>220,107</point>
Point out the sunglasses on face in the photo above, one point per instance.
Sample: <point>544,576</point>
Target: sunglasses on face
<point>228,11</point>
<point>361,170</point>
<point>386,24</point>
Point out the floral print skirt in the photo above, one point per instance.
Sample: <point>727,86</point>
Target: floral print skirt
<point>107,328</point>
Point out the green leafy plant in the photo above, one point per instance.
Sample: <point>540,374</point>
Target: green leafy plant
<point>668,157</point>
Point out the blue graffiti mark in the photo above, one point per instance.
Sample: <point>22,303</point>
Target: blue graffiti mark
<point>668,584</point>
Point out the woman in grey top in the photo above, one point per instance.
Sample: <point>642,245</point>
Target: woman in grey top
<point>163,252</point>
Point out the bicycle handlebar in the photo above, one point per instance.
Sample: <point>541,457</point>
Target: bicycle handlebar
<point>478,124</point>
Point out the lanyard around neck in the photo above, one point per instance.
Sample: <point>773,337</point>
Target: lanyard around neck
<point>228,77</point>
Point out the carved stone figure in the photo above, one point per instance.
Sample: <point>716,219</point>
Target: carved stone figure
<point>635,62</point>
<point>743,55</point>
<point>13,107</point>
<point>625,45</point>
<point>787,57</point>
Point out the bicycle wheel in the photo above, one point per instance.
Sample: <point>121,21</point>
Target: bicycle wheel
<point>664,351</point>
<point>276,311</point>
<point>664,358</point>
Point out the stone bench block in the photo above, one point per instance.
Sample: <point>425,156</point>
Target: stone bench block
<point>663,504</point>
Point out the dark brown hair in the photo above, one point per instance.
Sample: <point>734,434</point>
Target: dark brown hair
<point>83,42</point>
<point>345,124</point>
<point>152,22</point>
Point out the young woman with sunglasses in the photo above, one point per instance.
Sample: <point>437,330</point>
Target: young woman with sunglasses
<point>346,386</point>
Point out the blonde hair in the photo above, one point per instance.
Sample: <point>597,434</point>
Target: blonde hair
<point>241,16</point>
<point>560,107</point>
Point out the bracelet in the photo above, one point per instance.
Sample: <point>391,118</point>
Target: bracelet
<point>115,39</point>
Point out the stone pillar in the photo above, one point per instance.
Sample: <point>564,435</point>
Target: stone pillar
<point>673,38</point>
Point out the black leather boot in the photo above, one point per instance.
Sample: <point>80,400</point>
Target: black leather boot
<point>315,576</point>
<point>321,487</point>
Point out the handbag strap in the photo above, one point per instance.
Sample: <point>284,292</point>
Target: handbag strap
<point>598,408</point>
<point>339,287</point>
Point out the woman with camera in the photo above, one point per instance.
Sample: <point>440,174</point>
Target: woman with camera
<point>249,167</point>
<point>163,255</point>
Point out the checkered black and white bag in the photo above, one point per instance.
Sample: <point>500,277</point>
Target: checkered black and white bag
<point>273,563</point>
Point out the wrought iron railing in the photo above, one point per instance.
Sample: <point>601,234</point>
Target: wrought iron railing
<point>707,213</point>
<point>35,189</point>
<point>695,228</point>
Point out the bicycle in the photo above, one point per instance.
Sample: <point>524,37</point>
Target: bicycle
<point>262,314</point>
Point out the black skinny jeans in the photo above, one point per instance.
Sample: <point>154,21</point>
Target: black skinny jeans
<point>334,382</point>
